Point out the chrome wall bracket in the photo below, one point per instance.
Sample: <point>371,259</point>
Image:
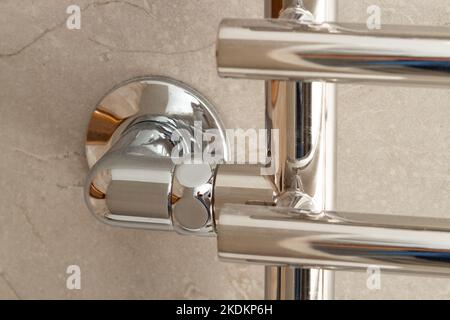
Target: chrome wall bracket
<point>135,135</point>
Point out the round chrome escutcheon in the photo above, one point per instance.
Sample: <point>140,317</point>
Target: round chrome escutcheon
<point>146,97</point>
<point>134,180</point>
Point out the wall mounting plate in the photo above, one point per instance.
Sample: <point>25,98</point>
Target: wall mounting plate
<point>146,97</point>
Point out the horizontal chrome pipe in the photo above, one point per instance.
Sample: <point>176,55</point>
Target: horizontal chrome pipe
<point>241,184</point>
<point>284,236</point>
<point>289,50</point>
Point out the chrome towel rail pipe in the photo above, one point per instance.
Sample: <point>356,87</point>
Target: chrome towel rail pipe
<point>304,113</point>
<point>292,50</point>
<point>285,236</point>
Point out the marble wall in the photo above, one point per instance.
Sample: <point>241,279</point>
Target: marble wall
<point>394,149</point>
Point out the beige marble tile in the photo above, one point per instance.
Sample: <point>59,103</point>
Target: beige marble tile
<point>50,80</point>
<point>393,146</point>
<point>394,151</point>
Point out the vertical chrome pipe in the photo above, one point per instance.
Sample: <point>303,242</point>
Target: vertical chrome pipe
<point>293,283</point>
<point>305,115</point>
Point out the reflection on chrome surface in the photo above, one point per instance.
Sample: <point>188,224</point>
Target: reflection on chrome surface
<point>133,181</point>
<point>290,50</point>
